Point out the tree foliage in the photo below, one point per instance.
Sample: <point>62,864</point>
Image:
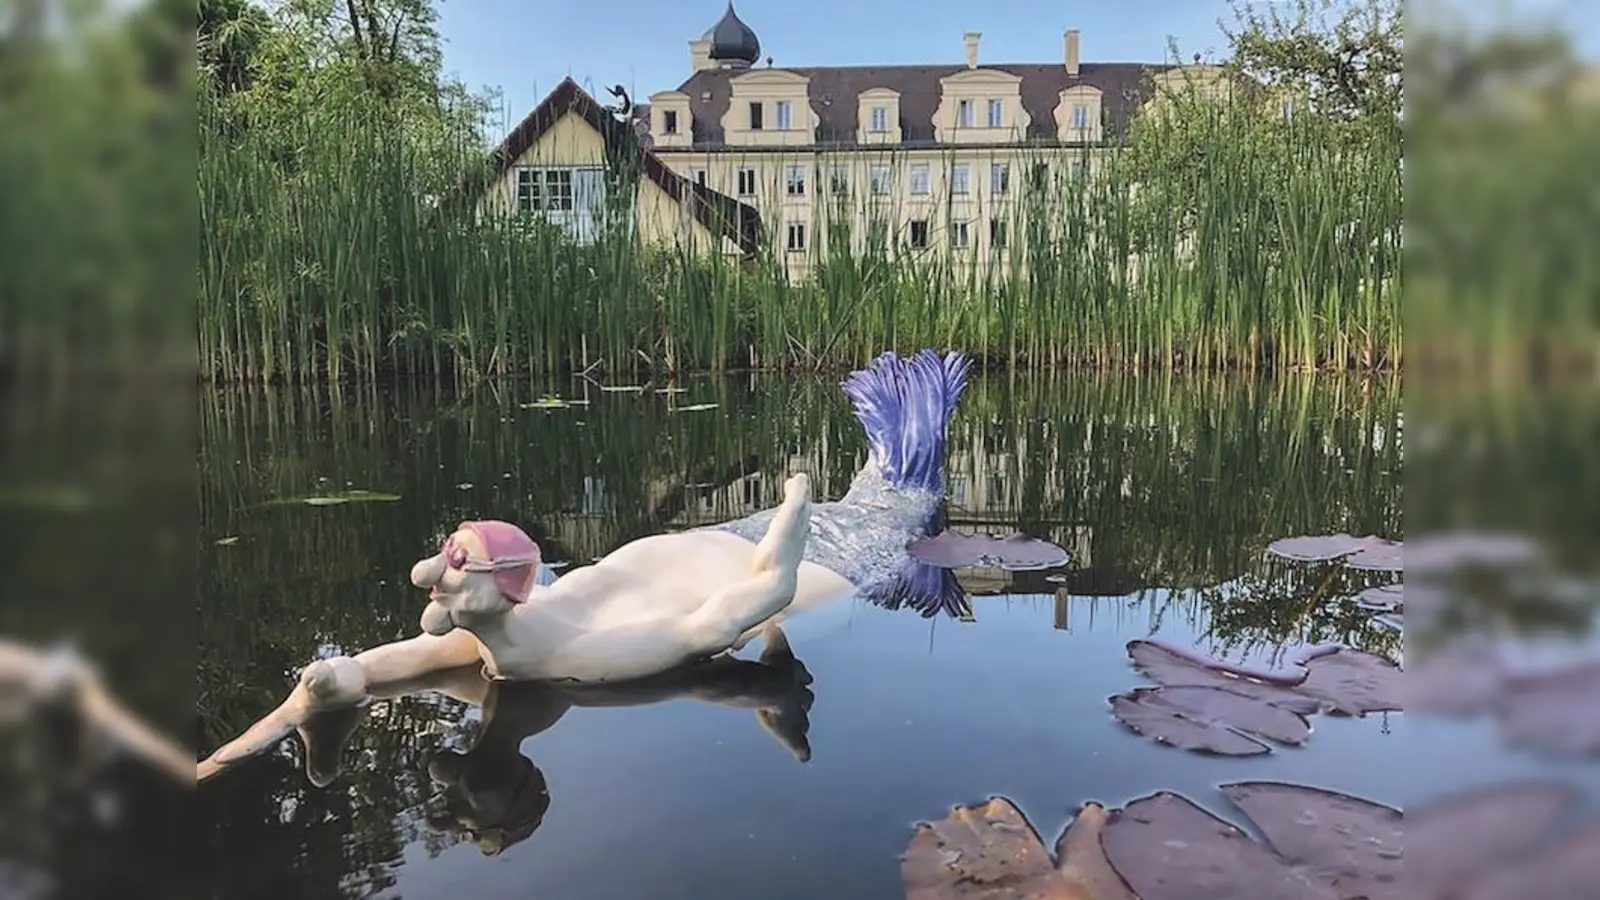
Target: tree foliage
<point>1344,57</point>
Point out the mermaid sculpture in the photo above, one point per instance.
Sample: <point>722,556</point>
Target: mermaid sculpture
<point>669,599</point>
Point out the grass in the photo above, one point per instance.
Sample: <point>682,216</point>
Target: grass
<point>1215,239</point>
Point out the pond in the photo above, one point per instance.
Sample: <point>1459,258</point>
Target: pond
<point>1165,492</point>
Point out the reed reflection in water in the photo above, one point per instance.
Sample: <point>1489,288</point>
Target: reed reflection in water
<point>1165,490</point>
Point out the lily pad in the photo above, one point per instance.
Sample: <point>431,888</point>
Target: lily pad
<point>1167,665</point>
<point>986,851</point>
<point>1555,712</point>
<point>1378,556</point>
<point>1167,848</point>
<point>1455,681</point>
<point>335,499</point>
<point>954,550</point>
<point>1459,550</point>
<point>1347,843</point>
<point>1208,719</point>
<point>1354,682</point>
<point>1383,598</point>
<point>1319,547</point>
<point>1569,869</point>
<point>1452,842</point>
<point>1081,859</point>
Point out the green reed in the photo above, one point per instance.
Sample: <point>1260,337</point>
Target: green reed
<point>1216,238</point>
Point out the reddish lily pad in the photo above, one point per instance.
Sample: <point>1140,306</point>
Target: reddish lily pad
<point>1166,848</point>
<point>1354,682</point>
<point>954,550</point>
<point>1569,869</point>
<point>1347,843</point>
<point>1383,598</point>
<point>1081,859</point>
<point>1208,719</point>
<point>1455,681</point>
<point>1460,550</point>
<point>1320,547</point>
<point>1452,842</point>
<point>1169,665</point>
<point>1556,712</point>
<point>986,851</point>
<point>1379,556</point>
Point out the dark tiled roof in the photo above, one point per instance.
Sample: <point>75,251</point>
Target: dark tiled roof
<point>719,213</point>
<point>833,91</point>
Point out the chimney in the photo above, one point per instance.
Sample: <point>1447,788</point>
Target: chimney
<point>1072,52</point>
<point>971,40</point>
<point>700,55</point>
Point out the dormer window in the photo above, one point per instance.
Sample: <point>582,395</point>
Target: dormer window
<point>1080,116</point>
<point>785,115</point>
<point>996,113</point>
<point>669,121</point>
<point>964,114</point>
<point>756,117</point>
<point>880,118</point>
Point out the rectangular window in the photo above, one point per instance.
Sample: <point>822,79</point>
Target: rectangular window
<point>669,121</point>
<point>996,113</point>
<point>839,181</point>
<point>997,233</point>
<point>1080,116</point>
<point>794,181</point>
<point>960,178</point>
<point>755,115</point>
<point>880,118</point>
<point>797,237</point>
<point>880,177</point>
<point>919,178</point>
<point>958,235</point>
<point>963,113</point>
<point>700,176</point>
<point>540,190</point>
<point>1000,179</point>
<point>747,182</point>
<point>785,115</point>
<point>917,234</point>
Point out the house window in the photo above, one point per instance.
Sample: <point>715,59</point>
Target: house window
<point>996,113</point>
<point>839,181</point>
<point>880,118</point>
<point>963,113</point>
<point>540,190</point>
<point>794,181</point>
<point>785,115</point>
<point>797,237</point>
<point>1080,116</point>
<point>747,182</point>
<point>1000,179</point>
<point>960,178</point>
<point>919,178</point>
<point>917,235</point>
<point>958,235</point>
<point>880,177</point>
<point>669,121</point>
<point>997,233</point>
<point>755,115</point>
<point>700,176</point>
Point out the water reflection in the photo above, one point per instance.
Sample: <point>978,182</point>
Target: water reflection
<point>1164,492</point>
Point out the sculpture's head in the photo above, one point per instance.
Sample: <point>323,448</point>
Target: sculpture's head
<point>483,569</point>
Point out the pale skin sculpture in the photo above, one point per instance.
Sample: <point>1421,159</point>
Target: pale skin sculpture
<point>665,600</point>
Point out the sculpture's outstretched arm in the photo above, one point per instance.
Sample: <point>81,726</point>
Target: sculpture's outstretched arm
<point>739,607</point>
<point>342,682</point>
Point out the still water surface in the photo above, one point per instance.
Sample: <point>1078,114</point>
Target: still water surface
<point>1165,491</point>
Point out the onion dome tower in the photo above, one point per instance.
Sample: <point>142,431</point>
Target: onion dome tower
<point>733,44</point>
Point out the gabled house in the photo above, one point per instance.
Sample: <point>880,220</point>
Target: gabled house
<point>567,160</point>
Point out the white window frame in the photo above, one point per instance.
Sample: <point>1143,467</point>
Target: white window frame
<point>795,229</point>
<point>880,179</point>
<point>999,179</point>
<point>920,179</point>
<point>878,119</point>
<point>794,180</point>
<point>960,236</point>
<point>543,189</point>
<point>960,179</point>
<point>964,113</point>
<point>783,116</point>
<point>997,113</point>
<point>749,173</point>
<point>1080,116</point>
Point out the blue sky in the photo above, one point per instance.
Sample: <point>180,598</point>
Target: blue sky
<point>525,47</point>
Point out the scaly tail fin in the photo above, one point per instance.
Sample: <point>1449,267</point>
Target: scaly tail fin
<point>904,403</point>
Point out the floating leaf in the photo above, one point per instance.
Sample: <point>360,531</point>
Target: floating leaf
<point>1455,681</point>
<point>335,499</point>
<point>954,550</point>
<point>1081,859</point>
<point>1383,598</point>
<point>1569,869</point>
<point>1318,548</point>
<point>1167,666</point>
<point>1556,712</point>
<point>1148,713</point>
<point>987,851</point>
<point>1347,843</point>
<point>1355,682</point>
<point>698,407</point>
<point>1166,848</point>
<point>1379,555</point>
<point>1451,843</point>
<point>1458,550</point>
